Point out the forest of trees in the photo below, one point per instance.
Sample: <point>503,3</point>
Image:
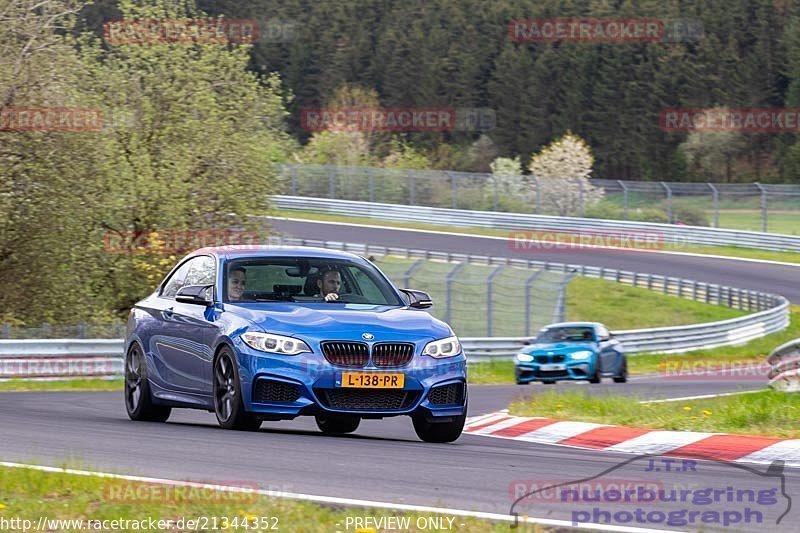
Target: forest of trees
<point>457,53</point>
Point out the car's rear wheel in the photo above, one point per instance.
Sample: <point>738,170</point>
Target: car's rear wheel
<point>138,401</point>
<point>623,373</point>
<point>337,425</point>
<point>439,431</point>
<point>228,404</point>
<point>549,382</point>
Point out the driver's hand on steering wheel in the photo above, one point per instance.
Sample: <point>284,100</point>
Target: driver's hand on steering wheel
<point>331,297</point>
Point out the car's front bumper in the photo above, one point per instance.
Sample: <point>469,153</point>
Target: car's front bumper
<point>279,386</point>
<point>573,370</point>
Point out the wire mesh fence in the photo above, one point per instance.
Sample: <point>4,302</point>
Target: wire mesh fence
<point>745,206</point>
<point>482,300</point>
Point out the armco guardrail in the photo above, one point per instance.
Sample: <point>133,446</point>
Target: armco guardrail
<point>60,358</point>
<point>667,233</point>
<point>785,361</point>
<point>46,358</point>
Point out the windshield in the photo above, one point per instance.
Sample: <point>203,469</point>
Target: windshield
<point>306,279</point>
<point>566,334</point>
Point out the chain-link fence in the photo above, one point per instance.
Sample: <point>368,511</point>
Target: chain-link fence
<point>751,206</point>
<point>481,300</point>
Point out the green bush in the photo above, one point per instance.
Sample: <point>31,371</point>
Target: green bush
<point>693,216</point>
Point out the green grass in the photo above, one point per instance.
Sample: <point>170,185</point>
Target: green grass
<point>30,494</point>
<point>728,251</point>
<point>62,385</point>
<point>621,306</point>
<point>766,412</point>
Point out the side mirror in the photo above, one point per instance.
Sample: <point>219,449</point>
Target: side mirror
<point>417,299</point>
<point>195,294</point>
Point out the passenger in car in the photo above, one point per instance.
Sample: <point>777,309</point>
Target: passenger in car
<point>237,277</point>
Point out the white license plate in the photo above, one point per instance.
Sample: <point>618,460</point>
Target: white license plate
<point>547,368</point>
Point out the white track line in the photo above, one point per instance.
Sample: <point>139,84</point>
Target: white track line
<point>702,397</point>
<point>335,500</point>
<point>495,237</point>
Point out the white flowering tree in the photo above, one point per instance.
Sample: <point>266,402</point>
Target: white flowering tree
<point>507,176</point>
<point>562,171</point>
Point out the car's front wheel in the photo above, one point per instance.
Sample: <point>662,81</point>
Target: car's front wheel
<point>623,373</point>
<point>439,431</point>
<point>138,401</point>
<point>228,404</point>
<point>337,425</point>
<point>597,376</point>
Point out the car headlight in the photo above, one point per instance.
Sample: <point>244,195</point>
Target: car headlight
<point>443,348</point>
<point>269,342</point>
<point>581,354</point>
<point>524,357</point>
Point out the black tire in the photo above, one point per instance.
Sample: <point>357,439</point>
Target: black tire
<point>550,382</point>
<point>337,425</point>
<point>138,400</point>
<point>228,405</point>
<point>439,431</point>
<point>597,376</point>
<point>523,382</point>
<point>623,374</point>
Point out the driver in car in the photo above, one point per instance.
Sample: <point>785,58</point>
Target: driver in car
<point>329,283</point>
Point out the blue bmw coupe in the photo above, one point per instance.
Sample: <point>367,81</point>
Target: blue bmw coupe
<point>572,351</point>
<point>272,333</point>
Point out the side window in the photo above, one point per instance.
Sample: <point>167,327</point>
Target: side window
<point>187,274</point>
<point>602,333</point>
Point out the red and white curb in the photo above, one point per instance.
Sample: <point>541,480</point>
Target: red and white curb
<point>686,444</point>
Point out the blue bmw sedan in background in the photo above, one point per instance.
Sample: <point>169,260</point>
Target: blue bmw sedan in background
<point>572,351</point>
<point>272,333</point>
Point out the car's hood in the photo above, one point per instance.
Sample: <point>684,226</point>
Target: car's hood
<point>321,321</point>
<point>560,347</point>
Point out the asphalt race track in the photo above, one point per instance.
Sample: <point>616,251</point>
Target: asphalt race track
<point>382,461</point>
<point>775,278</point>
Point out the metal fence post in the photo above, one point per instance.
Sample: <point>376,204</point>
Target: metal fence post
<point>763,191</point>
<point>715,202</point>
<point>494,186</point>
<point>489,307</point>
<point>371,177</point>
<point>448,291</point>
<point>528,285</point>
<point>453,187</point>
<point>538,195</point>
<point>624,199</point>
<point>331,182</point>
<point>6,330</point>
<point>410,272</point>
<point>581,209</point>
<point>559,313</point>
<point>293,174</point>
<point>669,202</point>
<point>411,194</point>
